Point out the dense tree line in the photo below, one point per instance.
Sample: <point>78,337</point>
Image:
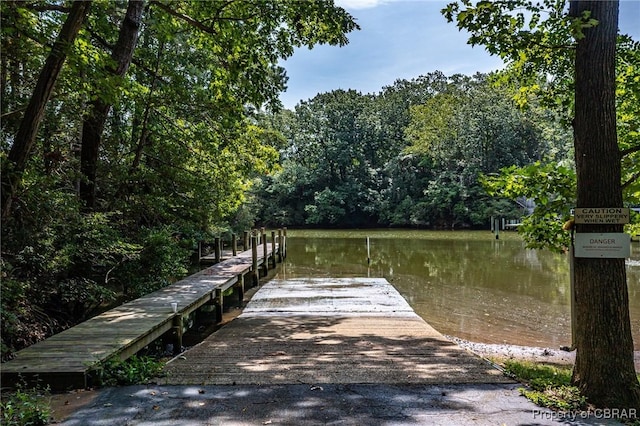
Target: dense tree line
<point>411,155</point>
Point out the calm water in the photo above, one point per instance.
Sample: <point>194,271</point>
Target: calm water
<point>464,284</point>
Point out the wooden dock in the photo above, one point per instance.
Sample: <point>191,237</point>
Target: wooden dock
<point>317,330</point>
<point>69,359</point>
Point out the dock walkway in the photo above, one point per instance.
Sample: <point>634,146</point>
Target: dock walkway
<point>68,359</point>
<point>321,331</point>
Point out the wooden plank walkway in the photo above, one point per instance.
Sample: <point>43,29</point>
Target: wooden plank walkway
<point>68,359</point>
<point>317,330</point>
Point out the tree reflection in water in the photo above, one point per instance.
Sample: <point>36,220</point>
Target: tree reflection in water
<point>464,283</point>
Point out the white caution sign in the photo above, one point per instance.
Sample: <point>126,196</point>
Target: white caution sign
<point>604,245</point>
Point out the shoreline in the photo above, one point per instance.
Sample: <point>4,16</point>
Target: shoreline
<point>535,354</point>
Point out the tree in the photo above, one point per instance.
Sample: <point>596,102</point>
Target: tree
<point>470,128</point>
<point>93,125</point>
<point>167,98</point>
<point>604,368</point>
<point>33,115</point>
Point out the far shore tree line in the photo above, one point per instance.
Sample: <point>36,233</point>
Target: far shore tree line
<point>413,155</point>
<point>131,130</point>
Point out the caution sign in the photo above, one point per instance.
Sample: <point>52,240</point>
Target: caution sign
<point>604,245</point>
<point>602,215</point>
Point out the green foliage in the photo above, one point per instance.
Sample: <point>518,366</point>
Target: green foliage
<point>565,398</point>
<point>550,385</point>
<point>163,260</point>
<point>552,188</point>
<point>533,38</point>
<point>633,227</point>
<point>628,115</point>
<point>328,208</point>
<point>409,156</point>
<point>536,40</point>
<point>25,407</point>
<point>182,144</point>
<point>135,370</point>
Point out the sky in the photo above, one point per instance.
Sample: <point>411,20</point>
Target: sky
<point>398,39</point>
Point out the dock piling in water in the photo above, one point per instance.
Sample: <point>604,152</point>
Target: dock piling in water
<point>265,248</point>
<point>368,251</point>
<point>273,248</point>
<point>254,258</point>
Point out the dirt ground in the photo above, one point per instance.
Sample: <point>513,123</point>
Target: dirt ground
<point>500,353</point>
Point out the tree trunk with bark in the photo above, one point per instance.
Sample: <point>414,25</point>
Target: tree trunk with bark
<point>604,369</point>
<point>33,115</point>
<point>93,125</point>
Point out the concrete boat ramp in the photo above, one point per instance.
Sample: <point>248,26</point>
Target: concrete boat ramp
<point>308,352</point>
<point>314,331</point>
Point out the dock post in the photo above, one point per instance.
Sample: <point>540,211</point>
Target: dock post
<point>219,304</point>
<point>245,241</point>
<point>368,251</point>
<point>284,242</point>
<point>234,245</point>
<point>254,259</point>
<point>240,289</point>
<point>216,248</point>
<point>199,250</point>
<point>177,330</point>
<point>265,253</point>
<point>273,248</point>
<point>280,245</point>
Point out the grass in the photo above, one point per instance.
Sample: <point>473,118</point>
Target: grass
<point>550,386</point>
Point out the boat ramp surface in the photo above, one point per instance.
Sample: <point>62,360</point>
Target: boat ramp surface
<point>316,330</point>
<point>309,352</point>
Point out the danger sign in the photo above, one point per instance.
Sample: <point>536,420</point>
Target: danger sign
<point>602,245</point>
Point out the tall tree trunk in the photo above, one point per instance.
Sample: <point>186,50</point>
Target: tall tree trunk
<point>93,125</point>
<point>604,368</point>
<point>144,132</point>
<point>26,135</point>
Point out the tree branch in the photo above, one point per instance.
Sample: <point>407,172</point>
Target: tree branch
<point>628,151</point>
<point>631,180</point>
<point>48,8</point>
<point>184,17</point>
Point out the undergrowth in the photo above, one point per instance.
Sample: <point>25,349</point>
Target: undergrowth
<point>133,371</point>
<point>550,386</point>
<point>25,406</point>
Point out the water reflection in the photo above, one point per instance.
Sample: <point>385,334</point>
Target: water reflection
<point>465,284</point>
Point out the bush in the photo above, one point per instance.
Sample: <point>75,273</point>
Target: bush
<point>163,260</point>
<point>135,370</point>
<point>25,407</point>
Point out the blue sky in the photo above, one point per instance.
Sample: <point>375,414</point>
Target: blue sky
<point>399,39</point>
